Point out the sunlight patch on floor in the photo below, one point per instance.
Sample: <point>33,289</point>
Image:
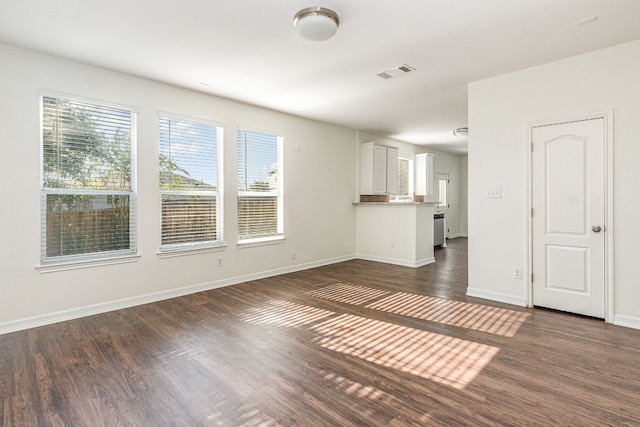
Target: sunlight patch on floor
<point>443,359</point>
<point>347,293</point>
<point>284,313</point>
<point>355,388</point>
<point>250,417</point>
<point>478,317</point>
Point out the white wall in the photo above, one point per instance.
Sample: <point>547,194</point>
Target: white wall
<point>499,110</point>
<point>319,189</point>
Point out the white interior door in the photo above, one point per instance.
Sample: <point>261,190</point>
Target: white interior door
<point>442,180</point>
<point>568,224</point>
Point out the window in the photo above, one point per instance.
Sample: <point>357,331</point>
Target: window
<point>88,185</point>
<point>259,186</point>
<point>189,188</point>
<point>405,175</point>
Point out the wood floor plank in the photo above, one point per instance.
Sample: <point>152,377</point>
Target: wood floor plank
<point>351,344</point>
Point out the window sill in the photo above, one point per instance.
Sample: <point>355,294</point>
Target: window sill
<point>262,241</point>
<point>66,266</point>
<point>185,251</point>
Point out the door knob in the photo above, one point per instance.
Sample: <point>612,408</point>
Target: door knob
<point>596,228</point>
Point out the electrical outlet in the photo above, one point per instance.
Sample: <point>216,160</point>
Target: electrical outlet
<point>493,193</point>
<point>517,273</point>
<point>293,256</point>
<point>220,262</point>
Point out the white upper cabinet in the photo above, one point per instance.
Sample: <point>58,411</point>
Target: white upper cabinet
<point>378,169</point>
<point>424,174</point>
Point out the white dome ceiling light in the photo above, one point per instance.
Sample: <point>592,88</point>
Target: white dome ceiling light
<point>316,23</point>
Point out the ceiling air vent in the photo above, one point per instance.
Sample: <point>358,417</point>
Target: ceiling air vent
<point>395,72</point>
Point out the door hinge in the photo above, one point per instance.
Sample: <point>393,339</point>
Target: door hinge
<point>531,212</point>
<point>532,147</point>
<point>531,277</point>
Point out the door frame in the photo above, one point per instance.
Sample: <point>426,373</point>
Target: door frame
<point>607,116</point>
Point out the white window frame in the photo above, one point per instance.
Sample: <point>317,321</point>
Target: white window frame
<point>67,262</point>
<point>185,248</point>
<point>279,194</point>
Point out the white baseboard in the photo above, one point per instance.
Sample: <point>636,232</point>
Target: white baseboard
<point>454,236</point>
<point>75,313</point>
<point>401,262</point>
<point>627,321</point>
<point>498,297</point>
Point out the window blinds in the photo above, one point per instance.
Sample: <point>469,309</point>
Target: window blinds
<point>403,177</point>
<point>87,184</point>
<point>189,182</point>
<point>259,185</point>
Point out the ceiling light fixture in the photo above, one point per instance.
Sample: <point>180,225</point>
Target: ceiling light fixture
<point>316,23</point>
<point>463,132</point>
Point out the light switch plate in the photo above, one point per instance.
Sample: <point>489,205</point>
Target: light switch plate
<point>517,273</point>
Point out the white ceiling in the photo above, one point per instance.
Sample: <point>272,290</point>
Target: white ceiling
<point>248,50</point>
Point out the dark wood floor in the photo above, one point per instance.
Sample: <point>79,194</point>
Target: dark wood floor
<point>357,343</point>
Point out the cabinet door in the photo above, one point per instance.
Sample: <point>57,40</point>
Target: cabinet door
<point>392,171</point>
<point>379,170</point>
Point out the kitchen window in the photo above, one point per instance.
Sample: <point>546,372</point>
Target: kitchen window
<point>405,177</point>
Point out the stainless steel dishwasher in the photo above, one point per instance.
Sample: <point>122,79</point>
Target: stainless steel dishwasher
<point>438,229</point>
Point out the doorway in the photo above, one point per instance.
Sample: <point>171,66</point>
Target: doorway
<point>569,230</point>
<point>442,209</point>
